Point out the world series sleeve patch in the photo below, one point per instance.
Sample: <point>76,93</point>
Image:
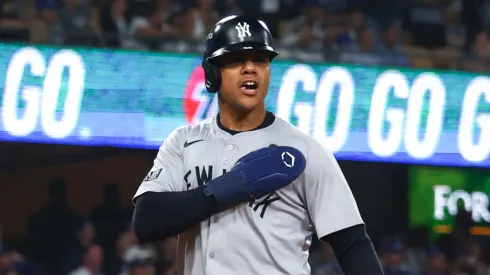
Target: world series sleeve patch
<point>153,175</point>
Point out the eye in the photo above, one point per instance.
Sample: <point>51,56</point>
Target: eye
<point>238,59</point>
<point>229,61</point>
<point>261,59</point>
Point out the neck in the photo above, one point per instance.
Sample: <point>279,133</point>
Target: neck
<point>245,121</point>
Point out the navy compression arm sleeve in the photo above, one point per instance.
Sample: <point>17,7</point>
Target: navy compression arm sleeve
<point>158,215</point>
<point>354,251</point>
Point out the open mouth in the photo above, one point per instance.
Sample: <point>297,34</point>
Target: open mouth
<point>249,87</point>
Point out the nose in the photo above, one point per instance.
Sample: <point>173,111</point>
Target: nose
<point>249,67</point>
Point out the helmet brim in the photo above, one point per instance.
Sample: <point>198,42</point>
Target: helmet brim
<point>244,46</point>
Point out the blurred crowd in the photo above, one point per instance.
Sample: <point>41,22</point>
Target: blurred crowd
<point>398,258</point>
<point>60,241</point>
<point>446,34</point>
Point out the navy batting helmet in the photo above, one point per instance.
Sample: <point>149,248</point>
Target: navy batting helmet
<point>234,34</point>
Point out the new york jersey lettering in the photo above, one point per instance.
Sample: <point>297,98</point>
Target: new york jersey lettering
<point>201,174</point>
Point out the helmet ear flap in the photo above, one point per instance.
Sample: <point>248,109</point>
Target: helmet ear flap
<point>212,75</point>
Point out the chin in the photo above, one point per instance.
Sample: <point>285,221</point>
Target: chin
<point>250,102</point>
<point>246,106</point>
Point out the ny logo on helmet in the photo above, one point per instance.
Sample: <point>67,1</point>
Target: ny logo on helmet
<point>243,30</point>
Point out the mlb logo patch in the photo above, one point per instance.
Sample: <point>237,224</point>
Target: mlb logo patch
<point>153,175</point>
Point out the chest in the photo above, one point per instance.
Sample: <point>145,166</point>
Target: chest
<point>207,159</point>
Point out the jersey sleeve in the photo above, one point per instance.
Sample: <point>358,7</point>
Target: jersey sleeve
<point>328,197</point>
<point>167,171</point>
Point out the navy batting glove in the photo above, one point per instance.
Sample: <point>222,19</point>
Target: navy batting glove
<point>257,174</point>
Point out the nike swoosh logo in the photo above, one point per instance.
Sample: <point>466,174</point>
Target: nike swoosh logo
<point>187,143</point>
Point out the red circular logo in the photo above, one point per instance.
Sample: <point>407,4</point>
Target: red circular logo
<point>193,89</point>
<point>198,103</point>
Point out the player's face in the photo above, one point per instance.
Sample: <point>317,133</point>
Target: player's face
<point>245,79</point>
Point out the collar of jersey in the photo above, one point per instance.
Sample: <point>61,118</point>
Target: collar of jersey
<point>268,120</point>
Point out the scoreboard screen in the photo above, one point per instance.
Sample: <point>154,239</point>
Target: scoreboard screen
<point>436,194</point>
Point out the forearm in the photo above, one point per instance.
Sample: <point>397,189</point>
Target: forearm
<point>355,251</point>
<point>361,259</point>
<point>159,215</point>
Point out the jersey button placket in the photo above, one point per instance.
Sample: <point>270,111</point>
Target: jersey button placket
<point>215,219</point>
<point>229,147</point>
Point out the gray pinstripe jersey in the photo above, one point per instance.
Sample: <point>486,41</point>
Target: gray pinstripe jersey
<point>270,235</point>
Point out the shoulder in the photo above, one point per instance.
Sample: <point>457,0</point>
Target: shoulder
<point>296,138</point>
<point>202,129</point>
<point>190,131</point>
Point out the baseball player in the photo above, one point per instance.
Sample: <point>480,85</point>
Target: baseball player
<point>245,190</point>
